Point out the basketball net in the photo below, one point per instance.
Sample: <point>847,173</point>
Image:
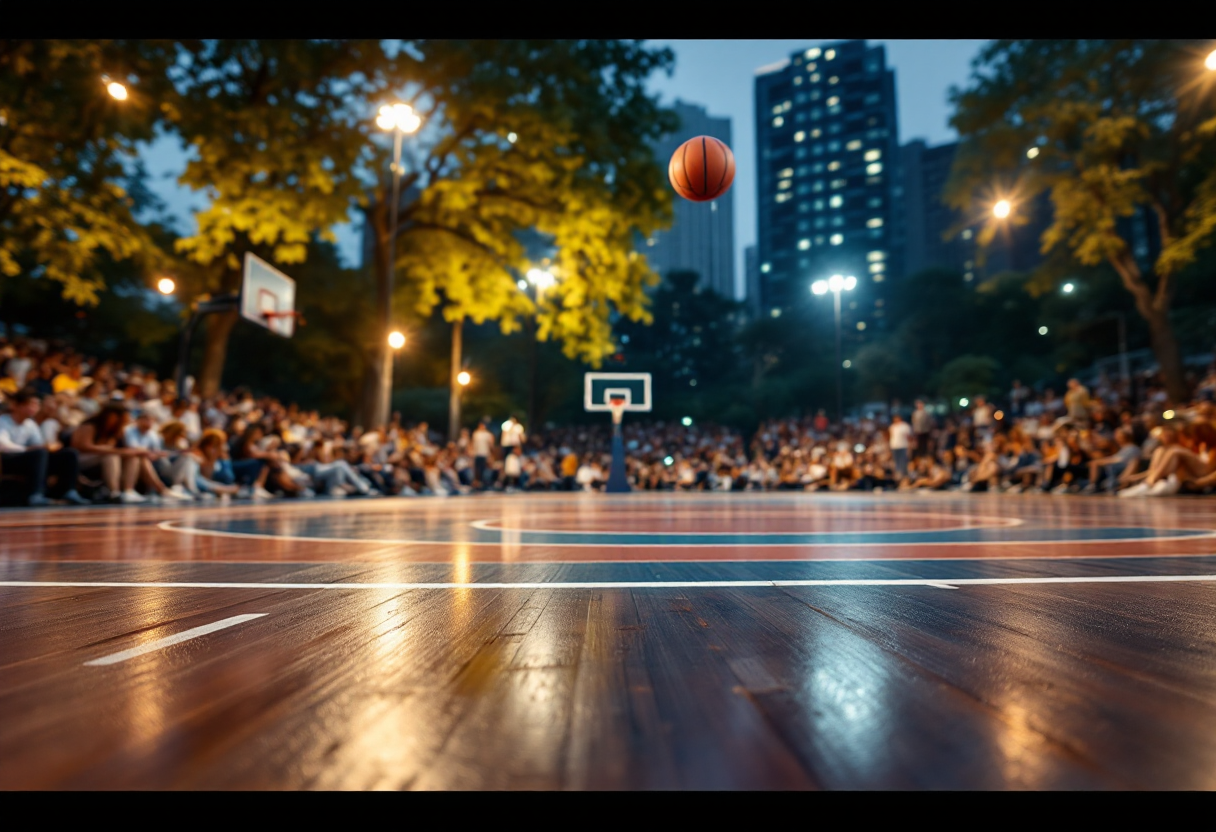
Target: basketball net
<point>617,406</point>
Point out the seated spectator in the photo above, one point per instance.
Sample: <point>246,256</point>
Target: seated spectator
<point>24,450</point>
<point>215,477</point>
<point>1107,473</point>
<point>99,443</point>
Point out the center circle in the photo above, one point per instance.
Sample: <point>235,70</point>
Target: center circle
<point>732,520</point>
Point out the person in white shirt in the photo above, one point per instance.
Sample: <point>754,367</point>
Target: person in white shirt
<point>142,435</point>
<point>482,442</point>
<point>23,450</point>
<point>900,433</point>
<point>512,434</point>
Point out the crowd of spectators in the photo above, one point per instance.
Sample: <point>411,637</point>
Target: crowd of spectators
<point>77,430</point>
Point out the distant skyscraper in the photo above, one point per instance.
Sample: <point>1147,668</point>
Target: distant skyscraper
<point>927,219</point>
<point>827,148</point>
<point>702,237</point>
<point>751,274</point>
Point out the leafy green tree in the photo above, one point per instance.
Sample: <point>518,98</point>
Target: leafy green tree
<point>66,151</point>
<point>1116,131</point>
<point>278,131</point>
<point>518,135</point>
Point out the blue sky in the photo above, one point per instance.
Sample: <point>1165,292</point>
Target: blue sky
<point>718,74</point>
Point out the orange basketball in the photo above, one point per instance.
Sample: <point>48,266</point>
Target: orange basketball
<point>701,169</point>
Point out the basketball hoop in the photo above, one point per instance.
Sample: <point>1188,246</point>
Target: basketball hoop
<point>271,316</point>
<point>617,405</point>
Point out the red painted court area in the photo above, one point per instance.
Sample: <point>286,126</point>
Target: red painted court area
<point>594,641</point>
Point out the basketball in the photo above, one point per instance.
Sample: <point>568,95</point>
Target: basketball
<point>701,169</point>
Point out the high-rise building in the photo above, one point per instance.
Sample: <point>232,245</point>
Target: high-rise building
<point>827,149</point>
<point>933,236</point>
<point>702,236</point>
<point>751,274</point>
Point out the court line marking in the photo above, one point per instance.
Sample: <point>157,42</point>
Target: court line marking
<point>169,641</point>
<point>171,526</point>
<point>999,522</point>
<point>401,585</point>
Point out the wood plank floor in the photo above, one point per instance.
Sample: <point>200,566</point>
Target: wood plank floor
<point>1101,684</point>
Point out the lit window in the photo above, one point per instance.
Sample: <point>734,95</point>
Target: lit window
<point>776,313</point>
<point>817,187</point>
<point>836,201</point>
<point>764,268</point>
<point>810,66</point>
<point>966,233</point>
<point>838,220</point>
<point>878,278</point>
<point>968,277</point>
<point>834,166</point>
<point>820,222</point>
<point>873,180</point>
<point>816,133</point>
<point>817,167</point>
<point>834,80</point>
<point>777,110</point>
<point>874,202</point>
<point>783,184</point>
<point>839,183</point>
<point>875,233</point>
<point>819,240</point>
<point>813,53</point>
<point>873,155</point>
<point>819,205</point>
<point>837,239</point>
<point>785,107</point>
<point>803,245</point>
<point>834,100</point>
<point>833,145</point>
<point>970,264</point>
<point>874,168</point>
<point>783,197</point>
<point>785,173</point>
<point>814,77</point>
<point>875,268</point>
<point>829,55</point>
<point>797,80</point>
<point>876,256</point>
<point>853,145</point>
<point>800,135</point>
<point>778,121</point>
<point>861,325</point>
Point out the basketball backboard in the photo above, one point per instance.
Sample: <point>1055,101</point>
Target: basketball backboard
<point>268,297</point>
<point>600,388</point>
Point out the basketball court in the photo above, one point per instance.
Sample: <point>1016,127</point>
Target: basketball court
<point>612,641</point>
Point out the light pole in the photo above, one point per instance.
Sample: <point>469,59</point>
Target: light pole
<point>836,284</point>
<point>399,119</point>
<point>539,280</point>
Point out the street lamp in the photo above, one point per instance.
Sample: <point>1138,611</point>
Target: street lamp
<point>836,284</point>
<point>1210,63</point>
<point>116,90</point>
<point>1001,209</point>
<point>539,280</point>
<point>463,378</point>
<point>398,119</point>
<point>166,286</point>
<point>396,339</point>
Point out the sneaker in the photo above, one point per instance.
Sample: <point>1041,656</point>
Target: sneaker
<point>39,500</point>
<point>260,493</point>
<point>306,493</point>
<point>1137,490</point>
<point>75,499</point>
<point>1062,488</point>
<point>207,497</point>
<point>132,497</point>
<point>1090,488</point>
<point>1165,488</point>
<point>172,496</point>
<point>181,493</point>
<point>1014,489</point>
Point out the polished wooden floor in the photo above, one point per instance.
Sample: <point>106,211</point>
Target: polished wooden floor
<point>612,642</point>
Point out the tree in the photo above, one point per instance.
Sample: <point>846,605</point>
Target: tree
<point>1116,131</point>
<point>278,133</point>
<point>66,147</point>
<point>519,135</point>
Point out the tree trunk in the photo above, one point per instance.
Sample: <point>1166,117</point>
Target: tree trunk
<point>369,400</point>
<point>454,387</point>
<point>215,350</point>
<point>1169,357</point>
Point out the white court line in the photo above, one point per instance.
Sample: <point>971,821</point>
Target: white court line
<point>169,641</point>
<point>171,526</point>
<point>940,583</point>
<point>495,525</point>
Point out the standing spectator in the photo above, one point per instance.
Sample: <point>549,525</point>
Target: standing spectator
<point>900,432</point>
<point>981,419</point>
<point>1076,402</point>
<point>1017,399</point>
<point>512,469</point>
<point>482,442</point>
<point>922,427</point>
<point>512,434</point>
<point>24,450</point>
